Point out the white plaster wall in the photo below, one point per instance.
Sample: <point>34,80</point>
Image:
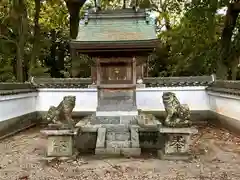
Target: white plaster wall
<point>86,99</point>
<point>148,99</point>
<point>16,105</point>
<point>227,105</point>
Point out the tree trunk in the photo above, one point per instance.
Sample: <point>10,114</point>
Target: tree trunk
<point>36,37</point>
<point>20,9</point>
<point>19,68</point>
<point>167,23</point>
<point>73,9</point>
<point>229,25</point>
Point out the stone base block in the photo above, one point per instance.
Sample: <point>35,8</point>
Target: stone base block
<point>132,152</point>
<point>170,130</point>
<point>60,158</point>
<point>118,136</point>
<point>101,137</point>
<point>107,151</point>
<point>107,120</point>
<point>173,157</point>
<point>118,144</point>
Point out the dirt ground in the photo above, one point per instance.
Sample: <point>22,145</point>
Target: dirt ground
<point>217,156</point>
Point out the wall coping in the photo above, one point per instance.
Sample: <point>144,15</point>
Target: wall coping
<point>18,96</point>
<point>149,81</point>
<point>229,96</point>
<point>177,88</point>
<point>152,84</point>
<point>186,88</point>
<point>16,91</point>
<point>179,81</point>
<point>15,85</point>
<point>225,87</point>
<point>67,89</point>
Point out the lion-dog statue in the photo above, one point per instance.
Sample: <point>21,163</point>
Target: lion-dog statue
<point>178,115</point>
<point>62,114</point>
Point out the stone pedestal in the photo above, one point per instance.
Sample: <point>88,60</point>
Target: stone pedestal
<point>60,142</point>
<point>177,141</point>
<point>117,102</point>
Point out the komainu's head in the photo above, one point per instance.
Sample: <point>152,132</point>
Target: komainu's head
<point>168,96</point>
<point>70,99</point>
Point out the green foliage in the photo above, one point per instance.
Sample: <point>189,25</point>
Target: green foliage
<point>190,39</point>
<point>6,71</point>
<point>54,15</point>
<point>81,66</point>
<point>193,43</point>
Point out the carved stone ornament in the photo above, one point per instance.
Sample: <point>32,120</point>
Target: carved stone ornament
<point>62,114</point>
<point>178,115</point>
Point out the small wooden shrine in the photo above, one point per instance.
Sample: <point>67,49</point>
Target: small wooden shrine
<point>120,40</point>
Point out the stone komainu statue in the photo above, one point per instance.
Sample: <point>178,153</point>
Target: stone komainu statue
<point>62,114</point>
<point>178,115</point>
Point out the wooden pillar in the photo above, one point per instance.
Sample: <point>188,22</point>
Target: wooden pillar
<point>94,74</point>
<point>142,68</point>
<point>98,80</point>
<point>134,63</point>
<point>98,71</point>
<point>134,70</point>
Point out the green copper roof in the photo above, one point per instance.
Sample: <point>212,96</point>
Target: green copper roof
<point>119,26</point>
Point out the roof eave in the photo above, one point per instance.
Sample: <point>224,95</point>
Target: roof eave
<point>104,45</point>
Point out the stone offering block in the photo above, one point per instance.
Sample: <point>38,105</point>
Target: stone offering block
<point>177,141</point>
<point>59,142</point>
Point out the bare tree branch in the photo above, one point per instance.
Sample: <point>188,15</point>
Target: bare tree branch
<point>7,39</point>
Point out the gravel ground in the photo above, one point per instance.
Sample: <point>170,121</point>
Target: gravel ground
<point>217,156</point>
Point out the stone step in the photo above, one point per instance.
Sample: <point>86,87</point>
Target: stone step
<point>118,144</point>
<point>107,120</point>
<point>118,128</point>
<point>128,119</point>
<point>118,136</point>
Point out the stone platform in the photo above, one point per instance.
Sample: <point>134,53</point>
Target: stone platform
<point>118,140</point>
<point>117,135</point>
